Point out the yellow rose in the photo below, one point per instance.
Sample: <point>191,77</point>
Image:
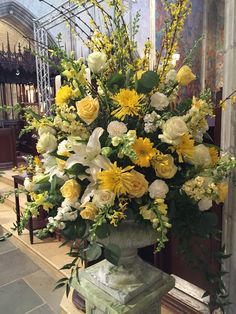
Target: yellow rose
<point>89,212</point>
<point>185,76</point>
<point>71,190</point>
<point>138,185</point>
<point>223,191</point>
<point>164,166</point>
<point>147,213</point>
<point>88,109</point>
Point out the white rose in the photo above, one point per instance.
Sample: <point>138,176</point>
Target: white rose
<point>46,129</point>
<point>205,204</point>
<point>159,101</point>
<point>97,61</point>
<point>28,184</point>
<point>116,128</point>
<point>103,198</point>
<point>171,76</point>
<point>200,157</point>
<point>173,129</point>
<point>47,143</point>
<point>158,189</point>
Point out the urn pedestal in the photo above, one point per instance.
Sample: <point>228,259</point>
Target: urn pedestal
<point>133,286</point>
<point>99,301</point>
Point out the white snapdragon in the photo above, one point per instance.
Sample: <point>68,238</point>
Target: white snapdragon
<point>205,204</point>
<point>116,128</point>
<point>97,61</point>
<point>171,76</point>
<point>173,130</point>
<point>158,189</point>
<point>66,213</point>
<point>103,198</point>
<point>152,122</point>
<point>159,101</point>
<point>47,143</point>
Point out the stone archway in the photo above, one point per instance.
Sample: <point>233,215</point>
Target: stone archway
<point>19,17</point>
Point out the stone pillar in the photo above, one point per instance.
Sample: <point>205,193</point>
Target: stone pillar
<point>228,143</point>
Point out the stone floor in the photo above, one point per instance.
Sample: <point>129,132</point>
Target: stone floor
<point>24,287</point>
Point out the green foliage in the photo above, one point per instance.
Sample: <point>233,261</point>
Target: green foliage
<point>5,236</point>
<point>116,82</point>
<point>148,81</point>
<point>112,253</point>
<point>192,226</point>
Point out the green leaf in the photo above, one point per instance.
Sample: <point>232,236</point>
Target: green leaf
<point>53,185</point>
<point>59,286</point>
<point>41,187</point>
<point>206,294</point>
<point>45,179</point>
<point>93,252</point>
<point>67,266</point>
<point>112,253</point>
<point>74,230</point>
<point>116,82</point>
<point>62,280</point>
<point>102,231</point>
<point>148,81</point>
<point>67,290</point>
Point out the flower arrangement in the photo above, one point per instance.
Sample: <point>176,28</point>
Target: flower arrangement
<point>119,144</point>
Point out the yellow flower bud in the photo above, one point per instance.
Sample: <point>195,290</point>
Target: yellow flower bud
<point>185,76</point>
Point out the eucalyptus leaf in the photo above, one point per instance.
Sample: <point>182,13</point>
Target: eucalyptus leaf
<point>103,231</point>
<point>148,81</point>
<point>112,253</point>
<point>93,252</point>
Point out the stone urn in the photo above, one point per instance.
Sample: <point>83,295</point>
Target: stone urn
<point>132,275</point>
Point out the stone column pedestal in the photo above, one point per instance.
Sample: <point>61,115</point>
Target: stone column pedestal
<point>100,302</point>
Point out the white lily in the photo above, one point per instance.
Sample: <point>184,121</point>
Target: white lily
<point>89,156</point>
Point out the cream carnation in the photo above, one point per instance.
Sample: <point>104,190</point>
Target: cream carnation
<point>173,130</point>
<point>46,129</point>
<point>116,128</point>
<point>47,143</point>
<point>103,198</point>
<point>28,184</point>
<point>205,204</point>
<point>97,61</point>
<point>159,101</point>
<point>158,189</point>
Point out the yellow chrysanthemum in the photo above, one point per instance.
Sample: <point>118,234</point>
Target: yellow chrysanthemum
<point>128,102</point>
<point>214,155</point>
<point>63,95</point>
<point>115,179</point>
<point>144,150</point>
<point>185,148</point>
